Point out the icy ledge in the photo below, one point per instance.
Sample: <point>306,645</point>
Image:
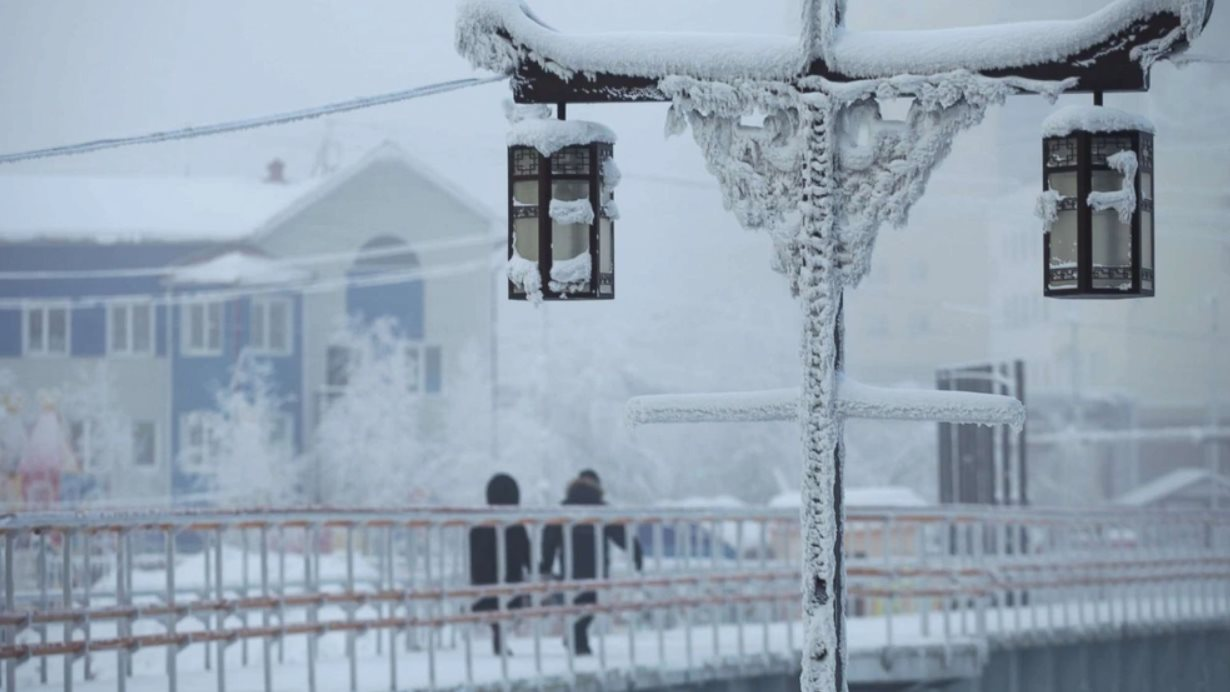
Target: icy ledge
<point>854,400</point>
<point>1069,119</point>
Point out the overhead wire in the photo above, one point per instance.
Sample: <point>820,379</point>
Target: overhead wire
<point>253,122</point>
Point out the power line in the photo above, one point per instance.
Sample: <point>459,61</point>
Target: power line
<point>294,261</point>
<point>306,287</point>
<point>251,123</point>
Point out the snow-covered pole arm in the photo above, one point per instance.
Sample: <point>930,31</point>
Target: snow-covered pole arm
<point>726,407</point>
<point>854,400</point>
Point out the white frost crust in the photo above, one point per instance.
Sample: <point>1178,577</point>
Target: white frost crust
<point>879,53</point>
<point>1122,200</point>
<point>854,400</point>
<point>572,211</point>
<point>858,400</point>
<point>610,210</point>
<point>500,34</point>
<point>572,275</point>
<point>1069,119</point>
<point>1047,208</point>
<point>767,405</point>
<point>548,135</point>
<point>525,276</point>
<point>480,24</point>
<point>611,175</point>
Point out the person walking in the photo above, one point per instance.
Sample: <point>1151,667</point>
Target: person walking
<point>586,489</point>
<point>502,491</point>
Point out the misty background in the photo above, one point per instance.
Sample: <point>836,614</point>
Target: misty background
<point>699,308</point>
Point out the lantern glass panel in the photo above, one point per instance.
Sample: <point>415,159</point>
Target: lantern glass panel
<point>525,193</point>
<point>1104,146</point>
<point>526,239</point>
<point>1062,272</point>
<point>606,260</point>
<point>1112,251</point>
<point>1146,185</point>
<point>1146,249</point>
<point>1106,181</point>
<point>569,240</point>
<point>1061,153</point>
<point>571,161</point>
<point>1063,183</point>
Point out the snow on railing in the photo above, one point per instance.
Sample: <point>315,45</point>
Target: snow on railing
<point>377,596</point>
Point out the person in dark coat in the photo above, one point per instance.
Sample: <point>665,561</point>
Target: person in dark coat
<point>484,553</point>
<point>586,489</point>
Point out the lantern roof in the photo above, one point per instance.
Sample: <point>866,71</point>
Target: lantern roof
<point>550,66</point>
<point>1086,118</point>
<point>548,135</point>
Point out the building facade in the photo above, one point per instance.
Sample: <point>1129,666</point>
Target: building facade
<point>143,296</point>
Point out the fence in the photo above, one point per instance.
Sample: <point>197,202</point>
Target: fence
<point>363,599</point>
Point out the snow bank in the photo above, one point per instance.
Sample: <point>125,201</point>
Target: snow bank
<point>549,135</point>
<point>1068,119</point>
<point>572,211</point>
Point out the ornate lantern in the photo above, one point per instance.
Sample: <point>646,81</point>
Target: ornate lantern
<point>561,210</point>
<point>1097,203</point>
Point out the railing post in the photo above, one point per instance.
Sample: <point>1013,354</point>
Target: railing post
<point>890,573</point>
<point>351,662</point>
<point>66,578</point>
<point>266,644</point>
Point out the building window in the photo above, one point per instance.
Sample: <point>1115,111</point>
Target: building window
<point>414,367</point>
<point>85,444</point>
<point>199,449</point>
<point>424,368</point>
<point>271,326</point>
<point>130,329</point>
<point>47,329</point>
<point>282,433</point>
<point>144,444</point>
<point>201,329</point>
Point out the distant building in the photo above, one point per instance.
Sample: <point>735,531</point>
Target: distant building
<point>1180,489</point>
<point>169,280</point>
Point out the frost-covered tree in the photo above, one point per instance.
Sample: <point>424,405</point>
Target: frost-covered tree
<point>383,441</point>
<point>100,427</point>
<point>255,465</point>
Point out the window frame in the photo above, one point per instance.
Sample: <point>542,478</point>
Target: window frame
<point>193,458</point>
<point>132,461</point>
<point>131,331</point>
<point>45,307</point>
<point>265,305</point>
<point>186,347</point>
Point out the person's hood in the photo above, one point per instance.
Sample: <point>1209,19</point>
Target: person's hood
<point>582,491</point>
<point>503,490</point>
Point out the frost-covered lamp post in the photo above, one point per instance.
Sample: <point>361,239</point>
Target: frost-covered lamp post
<point>1097,203</point>
<point>822,174</point>
<point>561,209</point>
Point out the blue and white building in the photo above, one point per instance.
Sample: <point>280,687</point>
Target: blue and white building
<point>169,281</point>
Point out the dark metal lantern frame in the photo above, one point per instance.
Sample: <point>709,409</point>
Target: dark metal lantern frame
<point>578,163</point>
<point>1082,156</point>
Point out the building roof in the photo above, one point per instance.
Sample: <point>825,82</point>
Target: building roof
<point>119,209</point>
<point>68,208</point>
<point>1172,484</point>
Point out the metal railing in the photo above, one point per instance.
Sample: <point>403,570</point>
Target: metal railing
<point>364,599</point>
